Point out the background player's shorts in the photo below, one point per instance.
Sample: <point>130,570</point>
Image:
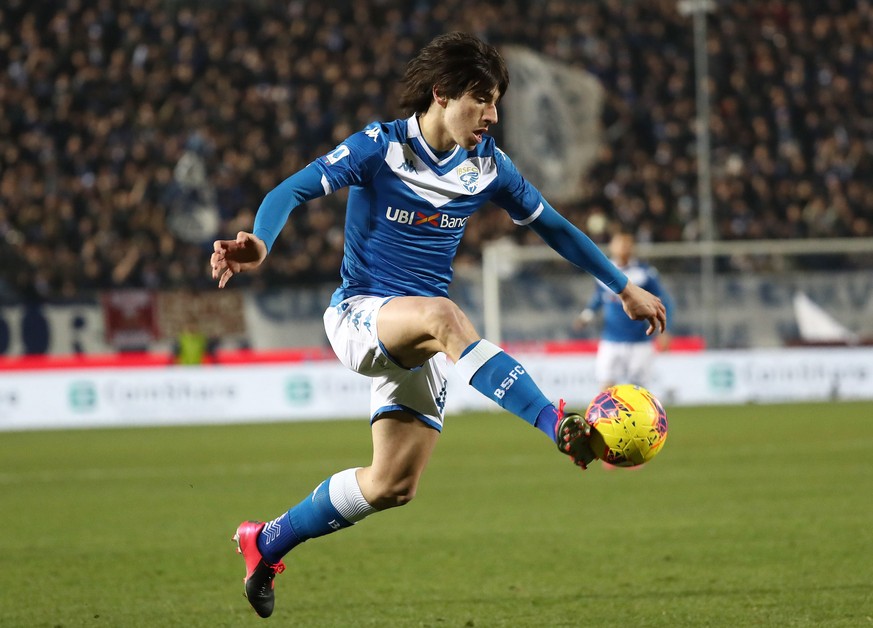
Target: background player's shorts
<point>351,329</point>
<point>623,362</point>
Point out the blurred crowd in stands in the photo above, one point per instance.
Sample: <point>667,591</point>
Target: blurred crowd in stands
<point>123,123</point>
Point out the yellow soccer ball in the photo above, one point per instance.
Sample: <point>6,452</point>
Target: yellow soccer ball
<point>629,425</point>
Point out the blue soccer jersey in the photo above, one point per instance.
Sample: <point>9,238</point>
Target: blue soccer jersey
<point>617,327</point>
<point>408,208</point>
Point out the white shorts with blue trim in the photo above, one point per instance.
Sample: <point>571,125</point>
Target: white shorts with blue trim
<point>421,391</point>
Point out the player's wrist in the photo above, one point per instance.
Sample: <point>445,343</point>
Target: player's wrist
<point>262,236</point>
<point>627,290</point>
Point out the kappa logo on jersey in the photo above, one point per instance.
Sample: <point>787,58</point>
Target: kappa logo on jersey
<point>373,133</point>
<point>469,176</point>
<point>408,166</point>
<point>438,219</point>
<point>338,153</point>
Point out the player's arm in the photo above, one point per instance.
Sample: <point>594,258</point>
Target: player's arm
<point>248,250</point>
<point>352,162</point>
<point>527,207</point>
<point>576,247</point>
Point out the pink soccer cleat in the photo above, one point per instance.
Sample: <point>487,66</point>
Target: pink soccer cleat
<point>259,574</point>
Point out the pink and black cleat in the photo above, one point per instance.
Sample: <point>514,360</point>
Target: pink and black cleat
<point>572,434</point>
<point>259,574</point>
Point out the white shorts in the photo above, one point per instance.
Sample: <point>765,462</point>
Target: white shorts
<point>351,329</point>
<point>623,363</point>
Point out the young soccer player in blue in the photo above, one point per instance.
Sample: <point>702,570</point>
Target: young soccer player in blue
<point>625,352</point>
<point>413,185</point>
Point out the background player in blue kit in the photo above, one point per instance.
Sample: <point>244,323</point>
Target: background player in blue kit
<point>413,185</point>
<point>625,352</point>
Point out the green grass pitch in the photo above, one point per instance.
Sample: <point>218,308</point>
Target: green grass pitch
<point>750,516</point>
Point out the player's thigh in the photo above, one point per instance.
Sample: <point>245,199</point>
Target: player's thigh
<point>407,407</point>
<point>402,447</point>
<point>412,329</point>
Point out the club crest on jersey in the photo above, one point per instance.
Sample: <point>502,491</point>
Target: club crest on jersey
<point>469,176</point>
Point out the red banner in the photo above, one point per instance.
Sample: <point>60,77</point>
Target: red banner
<point>131,319</point>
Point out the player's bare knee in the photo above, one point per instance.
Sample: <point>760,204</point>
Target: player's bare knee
<point>445,319</point>
<point>394,494</point>
<point>403,494</point>
<point>402,491</point>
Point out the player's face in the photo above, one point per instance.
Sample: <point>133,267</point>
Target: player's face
<point>621,247</point>
<point>467,118</point>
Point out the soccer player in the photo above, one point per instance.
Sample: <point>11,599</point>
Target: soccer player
<point>625,351</point>
<point>413,184</point>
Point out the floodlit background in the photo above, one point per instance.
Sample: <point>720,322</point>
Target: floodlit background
<point>734,137</point>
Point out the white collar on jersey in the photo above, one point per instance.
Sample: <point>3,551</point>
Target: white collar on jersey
<point>414,132</point>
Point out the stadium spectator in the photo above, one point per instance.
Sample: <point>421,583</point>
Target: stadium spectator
<point>193,347</point>
<point>99,102</point>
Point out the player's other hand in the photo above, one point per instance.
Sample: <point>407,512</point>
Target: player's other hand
<point>582,321</point>
<point>231,257</point>
<point>642,305</point>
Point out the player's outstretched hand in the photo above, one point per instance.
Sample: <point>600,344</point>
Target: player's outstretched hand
<point>231,257</point>
<point>642,305</point>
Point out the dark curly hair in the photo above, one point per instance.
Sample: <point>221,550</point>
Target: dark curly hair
<point>456,63</point>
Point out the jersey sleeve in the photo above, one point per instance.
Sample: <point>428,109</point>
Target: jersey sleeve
<point>527,207</point>
<point>300,187</point>
<point>521,200</point>
<point>356,160</point>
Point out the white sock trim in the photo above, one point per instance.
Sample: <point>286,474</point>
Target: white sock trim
<point>473,361</point>
<point>346,497</point>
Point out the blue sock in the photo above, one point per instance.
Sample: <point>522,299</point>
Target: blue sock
<point>312,517</point>
<point>547,421</point>
<point>499,376</point>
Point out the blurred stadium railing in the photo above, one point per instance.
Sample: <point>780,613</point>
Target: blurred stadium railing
<point>520,294</point>
<point>529,293</point>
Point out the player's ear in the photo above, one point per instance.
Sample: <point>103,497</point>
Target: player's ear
<point>441,100</point>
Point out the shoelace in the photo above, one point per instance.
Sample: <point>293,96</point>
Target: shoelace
<point>561,405</point>
<point>266,584</point>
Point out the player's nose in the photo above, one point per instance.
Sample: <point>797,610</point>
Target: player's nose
<point>490,115</point>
